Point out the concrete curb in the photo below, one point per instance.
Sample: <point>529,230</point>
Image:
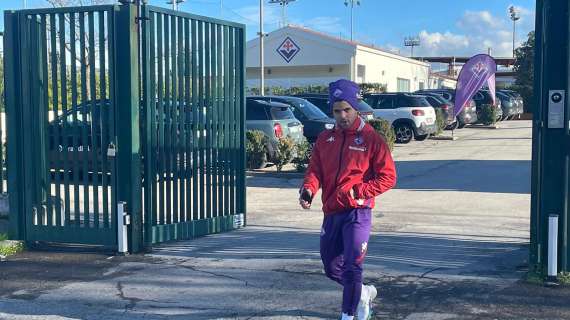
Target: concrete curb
<point>484,127</point>
<point>283,174</point>
<point>444,138</point>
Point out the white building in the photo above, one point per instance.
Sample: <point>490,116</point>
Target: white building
<point>296,57</point>
<point>439,80</point>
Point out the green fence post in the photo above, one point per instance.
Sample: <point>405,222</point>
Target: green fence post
<point>128,186</point>
<point>12,78</point>
<point>550,143</point>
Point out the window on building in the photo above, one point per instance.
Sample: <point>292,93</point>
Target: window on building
<point>403,85</point>
<point>361,73</point>
<point>422,85</point>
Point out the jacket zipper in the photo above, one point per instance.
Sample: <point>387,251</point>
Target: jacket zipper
<point>340,159</point>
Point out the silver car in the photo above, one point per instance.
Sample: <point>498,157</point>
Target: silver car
<point>274,119</point>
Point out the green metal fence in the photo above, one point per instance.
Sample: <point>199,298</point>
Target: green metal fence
<point>110,104</point>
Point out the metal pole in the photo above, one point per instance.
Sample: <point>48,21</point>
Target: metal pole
<point>351,20</point>
<point>552,246</point>
<point>261,51</point>
<point>221,9</point>
<point>514,32</point>
<point>282,23</point>
<point>25,4</point>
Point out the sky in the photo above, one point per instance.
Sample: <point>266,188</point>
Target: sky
<point>445,27</point>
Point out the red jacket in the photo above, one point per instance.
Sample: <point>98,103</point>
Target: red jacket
<point>356,158</point>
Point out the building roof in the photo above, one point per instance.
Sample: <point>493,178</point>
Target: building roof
<point>339,40</point>
<point>499,60</point>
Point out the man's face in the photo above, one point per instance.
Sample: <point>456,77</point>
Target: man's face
<point>344,114</point>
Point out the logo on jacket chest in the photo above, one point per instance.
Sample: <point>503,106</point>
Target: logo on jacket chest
<point>354,148</point>
<point>358,141</point>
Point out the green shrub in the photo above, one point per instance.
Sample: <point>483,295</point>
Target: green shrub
<point>439,121</point>
<point>256,149</point>
<point>385,129</point>
<point>488,115</point>
<point>302,155</point>
<point>284,154</point>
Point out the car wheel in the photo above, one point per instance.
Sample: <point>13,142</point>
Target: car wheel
<point>422,137</point>
<point>261,163</point>
<point>404,133</point>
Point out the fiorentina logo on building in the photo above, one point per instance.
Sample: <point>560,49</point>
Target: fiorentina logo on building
<point>288,49</point>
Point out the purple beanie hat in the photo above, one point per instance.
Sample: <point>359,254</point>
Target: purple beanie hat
<point>344,90</point>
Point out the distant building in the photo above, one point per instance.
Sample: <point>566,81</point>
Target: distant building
<point>296,57</point>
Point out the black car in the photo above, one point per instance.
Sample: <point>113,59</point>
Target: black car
<point>445,106</point>
<point>313,119</point>
<point>322,102</point>
<point>468,114</point>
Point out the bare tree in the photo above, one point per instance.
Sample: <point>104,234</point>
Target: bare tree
<point>83,57</point>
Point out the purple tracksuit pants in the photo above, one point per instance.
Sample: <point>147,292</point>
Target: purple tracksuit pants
<point>344,242</point>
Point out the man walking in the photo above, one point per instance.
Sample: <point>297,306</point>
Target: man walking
<point>352,164</point>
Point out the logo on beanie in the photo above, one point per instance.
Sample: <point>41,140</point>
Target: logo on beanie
<point>337,93</point>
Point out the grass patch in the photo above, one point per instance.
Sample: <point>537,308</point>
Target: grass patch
<point>564,278</point>
<point>534,278</point>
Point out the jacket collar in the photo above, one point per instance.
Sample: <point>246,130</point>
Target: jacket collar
<point>357,126</point>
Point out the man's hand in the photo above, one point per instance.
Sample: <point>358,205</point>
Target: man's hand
<point>305,199</point>
<point>358,201</point>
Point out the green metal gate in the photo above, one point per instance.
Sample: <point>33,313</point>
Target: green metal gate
<point>120,104</point>
<point>193,124</point>
<point>59,94</point>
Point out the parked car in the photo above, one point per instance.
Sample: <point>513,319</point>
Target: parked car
<point>322,102</point>
<point>78,139</point>
<point>509,105</point>
<point>468,114</point>
<point>274,119</point>
<point>484,97</point>
<point>410,115</point>
<point>313,119</point>
<point>518,100</point>
<point>446,108</point>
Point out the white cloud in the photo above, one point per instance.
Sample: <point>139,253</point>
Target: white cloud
<point>331,25</point>
<point>250,15</point>
<point>477,31</point>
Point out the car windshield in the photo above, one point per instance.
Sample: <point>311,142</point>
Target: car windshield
<point>281,113</point>
<point>310,111</point>
<point>439,99</point>
<point>364,107</point>
<point>419,101</point>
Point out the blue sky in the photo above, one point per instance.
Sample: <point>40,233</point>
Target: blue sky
<point>446,27</point>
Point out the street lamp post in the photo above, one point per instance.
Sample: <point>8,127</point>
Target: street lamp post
<point>412,42</point>
<point>175,3</point>
<point>515,17</point>
<point>283,4</point>
<point>261,52</point>
<point>351,3</point>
